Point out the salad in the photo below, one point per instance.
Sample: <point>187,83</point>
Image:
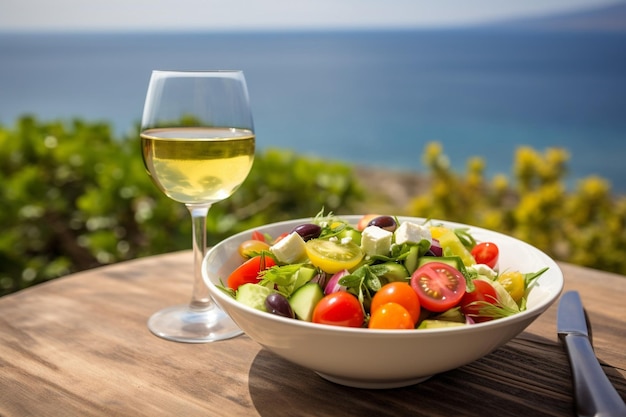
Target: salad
<point>380,274</point>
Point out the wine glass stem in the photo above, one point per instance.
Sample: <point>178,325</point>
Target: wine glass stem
<point>200,299</point>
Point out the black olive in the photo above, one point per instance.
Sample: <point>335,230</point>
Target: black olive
<point>308,231</point>
<point>276,303</point>
<point>384,222</point>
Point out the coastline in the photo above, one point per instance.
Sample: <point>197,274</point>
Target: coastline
<point>393,190</point>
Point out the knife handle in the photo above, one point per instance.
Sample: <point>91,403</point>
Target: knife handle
<point>595,396</point>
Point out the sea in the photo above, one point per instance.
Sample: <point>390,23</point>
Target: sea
<point>372,98</point>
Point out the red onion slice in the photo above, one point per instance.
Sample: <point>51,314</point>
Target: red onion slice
<point>320,279</point>
<point>333,283</point>
<point>435,248</point>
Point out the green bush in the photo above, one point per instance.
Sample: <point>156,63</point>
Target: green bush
<point>585,226</point>
<point>74,197</point>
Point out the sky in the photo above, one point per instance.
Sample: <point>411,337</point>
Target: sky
<point>192,15</point>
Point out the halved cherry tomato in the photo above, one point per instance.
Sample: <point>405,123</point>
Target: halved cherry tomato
<point>473,302</point>
<point>250,248</point>
<point>248,272</point>
<point>438,286</point>
<point>514,283</point>
<point>486,253</point>
<point>339,309</point>
<point>256,235</point>
<point>391,316</point>
<point>333,256</point>
<point>399,293</point>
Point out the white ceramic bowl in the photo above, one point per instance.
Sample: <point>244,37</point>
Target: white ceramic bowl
<point>366,358</point>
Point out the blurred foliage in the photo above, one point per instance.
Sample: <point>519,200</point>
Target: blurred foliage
<point>74,197</point>
<point>585,226</point>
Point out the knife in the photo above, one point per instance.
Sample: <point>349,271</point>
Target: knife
<point>595,396</point>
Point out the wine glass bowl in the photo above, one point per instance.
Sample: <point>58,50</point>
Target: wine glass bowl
<point>198,145</point>
<point>209,167</point>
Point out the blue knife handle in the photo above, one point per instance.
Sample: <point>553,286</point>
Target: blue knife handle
<point>595,396</point>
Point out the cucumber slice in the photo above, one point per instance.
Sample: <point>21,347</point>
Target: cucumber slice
<point>454,261</point>
<point>253,295</point>
<point>391,272</point>
<point>454,314</point>
<point>412,258</point>
<point>304,300</point>
<point>438,324</point>
<point>303,275</point>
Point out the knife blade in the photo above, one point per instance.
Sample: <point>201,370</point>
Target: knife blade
<point>595,396</point>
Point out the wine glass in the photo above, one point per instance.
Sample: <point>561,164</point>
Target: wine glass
<point>197,142</point>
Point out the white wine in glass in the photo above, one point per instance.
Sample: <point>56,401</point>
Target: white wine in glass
<point>198,144</point>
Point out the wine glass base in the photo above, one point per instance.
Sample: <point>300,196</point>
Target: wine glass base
<point>182,323</point>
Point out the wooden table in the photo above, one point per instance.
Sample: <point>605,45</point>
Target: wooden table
<point>79,346</point>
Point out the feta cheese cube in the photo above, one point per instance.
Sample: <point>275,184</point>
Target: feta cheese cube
<point>289,249</point>
<point>409,232</point>
<point>376,241</point>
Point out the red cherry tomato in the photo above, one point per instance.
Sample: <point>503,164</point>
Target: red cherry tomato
<point>400,293</point>
<point>339,309</point>
<point>391,316</point>
<point>473,302</point>
<point>486,253</point>
<point>439,286</point>
<point>256,235</point>
<point>248,272</point>
<point>280,237</point>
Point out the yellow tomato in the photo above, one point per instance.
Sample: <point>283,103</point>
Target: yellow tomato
<point>252,247</point>
<point>332,256</point>
<point>513,283</point>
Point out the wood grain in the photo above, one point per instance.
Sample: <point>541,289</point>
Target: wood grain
<point>79,346</point>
